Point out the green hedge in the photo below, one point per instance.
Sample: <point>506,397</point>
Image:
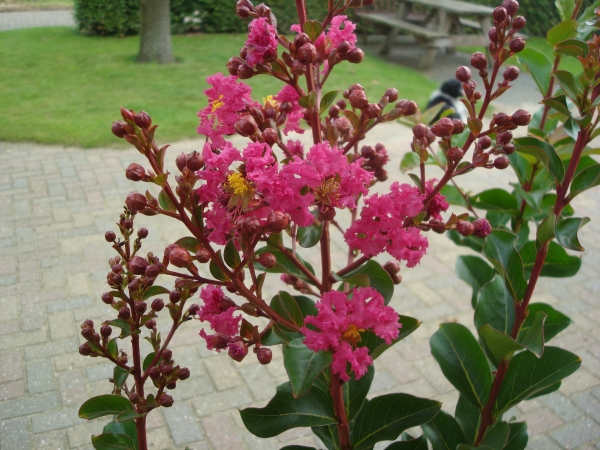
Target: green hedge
<point>108,17</point>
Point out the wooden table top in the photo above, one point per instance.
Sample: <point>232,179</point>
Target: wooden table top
<point>455,6</point>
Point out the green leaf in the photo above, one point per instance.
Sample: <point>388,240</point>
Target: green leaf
<point>538,65</point>
<point>545,231</point>
<point>104,405</point>
<point>572,47</point>
<point>559,103</point>
<point>385,417</point>
<point>568,84</point>
<point>129,414</point>
<point>558,263</point>
<point>328,435</point>
<point>128,428</point>
<point>231,254</point>
<point>495,306</point>
<point>327,100</point>
<point>500,346</point>
<point>379,279</point>
<point>472,242</point>
<point>297,447</point>
<point>409,161</point>
<point>377,346</point>
<point>154,290</point>
<point>475,125</point>
<point>518,437</point>
<point>495,200</point>
<point>565,8</point>
<point>443,432</point>
<point>286,306</point>
<point>566,232</point>
<point>124,326</point>
<point>468,417</point>
<point>148,360</point>
<point>120,376</point>
<point>453,196</point>
<point>462,361</point>
<point>528,374</point>
<point>215,270</point>
<point>562,31</point>
<point>303,365</point>
<point>284,412</point>
<point>309,236</point>
<point>109,441</point>
<point>586,179</point>
<point>284,264</point>
<point>419,443</point>
<point>113,348</point>
<point>303,101</point>
<point>356,280</point>
<point>549,390</point>
<point>355,392</point>
<point>474,271</point>
<point>500,250</point>
<point>417,180</point>
<point>165,202</point>
<point>496,436</point>
<point>191,244</point>
<point>533,338</point>
<point>555,321</point>
<point>544,152</point>
<point>313,28</point>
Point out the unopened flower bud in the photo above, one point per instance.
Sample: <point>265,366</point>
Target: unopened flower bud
<point>307,53</point>
<point>372,110</point>
<point>157,304</point>
<point>367,152</point>
<point>194,161</point>
<point>140,308</point>
<point>270,136</point>
<point>355,56</point>
<point>175,296</point>
<point>85,349</point>
<point>504,138</point>
<point>108,298</point>
<point>233,64</point>
<point>277,221</point>
<point>166,400</point>
<point>264,355</point>
<point>508,149</point>
<point>392,267</point>
<point>181,161</point>
<point>134,397</point>
<point>408,107</point>
<point>154,373</point>
<point>202,255</point>
<point>142,233</point>
<point>118,130</point>
<point>237,350</point>
<point>493,35</point>
<point>455,154</point>
<point>126,114</point>
<point>500,119</point>
<point>465,228</point>
<point>136,202</point>
<point>142,119</point>
<point>110,236</point>
<point>501,162</point>
<point>267,260</point>
<point>300,39</point>
<point>499,14</point>
<point>105,330</point>
<point>137,265</point>
<point>484,142</point>
<point>87,332</point>
<point>124,313</point>
<point>396,278</point>
<point>327,214</point>
<point>459,126</point>
<point>463,74</point>
<point>517,45</point>
<point>358,99</point>
<point>194,309</point>
<point>443,128</point>
<point>246,125</point>
<point>521,118</point>
<point>481,159</point>
<point>420,131</point>
<point>519,22</point>
<point>183,373</point>
<point>511,6</point>
<point>244,71</point>
<point>150,324</point>
<point>180,257</point>
<point>343,48</point>
<point>481,228</point>
<point>391,94</point>
<point>297,68</point>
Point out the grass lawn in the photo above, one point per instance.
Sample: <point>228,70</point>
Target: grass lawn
<point>59,87</point>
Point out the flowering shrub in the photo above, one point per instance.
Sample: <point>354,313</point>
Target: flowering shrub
<point>248,210</point>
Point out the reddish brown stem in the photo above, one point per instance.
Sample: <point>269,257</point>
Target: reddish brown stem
<point>301,266</point>
<point>140,423</point>
<point>350,267</point>
<point>343,428</point>
<point>325,258</point>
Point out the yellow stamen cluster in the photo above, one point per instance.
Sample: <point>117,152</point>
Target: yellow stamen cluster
<point>271,100</point>
<point>217,103</point>
<point>238,184</point>
<point>352,332</point>
<point>328,190</point>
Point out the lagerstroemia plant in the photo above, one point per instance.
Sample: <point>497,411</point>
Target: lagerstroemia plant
<point>251,211</point>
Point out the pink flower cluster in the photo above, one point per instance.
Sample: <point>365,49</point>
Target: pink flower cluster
<point>340,320</point>
<point>262,41</point>
<point>289,94</point>
<point>380,226</point>
<point>218,311</point>
<point>438,203</point>
<point>336,34</point>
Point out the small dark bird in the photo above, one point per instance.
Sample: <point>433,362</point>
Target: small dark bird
<point>449,93</point>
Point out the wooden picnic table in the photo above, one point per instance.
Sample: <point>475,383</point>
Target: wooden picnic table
<point>440,24</point>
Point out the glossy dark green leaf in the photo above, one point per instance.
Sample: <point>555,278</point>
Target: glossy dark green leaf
<point>328,435</point>
<point>496,436</point>
<point>409,161</point>
<point>191,244</point>
<point>586,179</point>
<point>284,412</point>
<point>155,290</point>
<point>532,198</point>
<point>128,428</point>
<point>109,441</point>
<point>566,232</point>
<point>303,365</point>
<point>360,280</point>
<point>120,376</point>
<point>545,231</point>
<point>544,152</point>
<point>533,338</point>
<point>528,374</point>
<point>124,326</point>
<point>565,9</point>
<point>559,103</point>
<point>443,432</point>
<point>104,405</point>
<point>550,389</point>
<point>568,83</point>
<point>165,202</point>
<point>419,443</point>
<point>327,100</point>
<point>495,200</point>
<point>113,348</point>
<point>572,47</point>
<point>469,241</point>
<point>558,263</point>
<point>538,65</point>
<point>377,346</point>
<point>462,361</point>
<point>416,180</point>
<point>379,279</point>
<point>384,418</point>
<point>284,264</point>
<point>287,307</point>
<point>468,417</point>
<point>127,415</point>
<point>517,437</point>
<point>500,346</point>
<point>554,324</point>
<point>309,236</point>
<point>474,271</point>
<point>231,254</point>
<point>500,250</point>
<point>355,392</point>
<point>148,360</point>
<point>215,270</point>
<point>453,196</point>
<point>566,29</point>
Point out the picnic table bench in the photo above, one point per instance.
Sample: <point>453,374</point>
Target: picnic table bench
<point>441,24</point>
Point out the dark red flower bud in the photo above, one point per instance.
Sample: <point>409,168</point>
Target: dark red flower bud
<point>157,304</point>
<point>358,99</point>
<point>430,137</point>
<point>267,260</point>
<point>391,94</point>
<point>493,35</point>
<point>301,39</point>
<point>140,308</point>
<point>150,324</point>
<point>105,330</point>
<point>134,397</point>
<point>108,298</point>
<point>129,130</point>
<point>264,355</point>
<point>465,228</point>
<point>517,45</point>
<point>367,152</point>
<point>127,114</point>
<point>154,373</point>
<point>124,313</point>
<point>500,119</point>
<point>87,332</point>
<point>459,126</point>
<point>504,137</point>
<point>183,373</point>
<point>194,161</point>
<point>118,130</point>
<point>142,119</point>
<point>85,349</point>
<point>246,125</point>
<point>110,236</point>
<point>277,221</point>
<point>355,56</point>
<point>202,255</point>
<point>244,71</point>
<point>166,400</point>
<point>508,149</point>
<point>152,271</point>
<point>479,61</point>
<point>499,14</point>
<point>521,118</point>
<point>484,142</point>
<point>181,161</point>
<point>501,163</point>
<point>237,350</point>
<point>194,309</point>
<point>180,257</point>
<point>175,296</point>
<point>343,48</point>
<point>392,267</point>
<point>511,73</point>
<point>142,233</point>
<point>481,159</point>
<point>233,64</point>
<point>297,68</point>
<point>455,154</point>
<point>167,354</point>
<point>519,22</point>
<point>372,111</point>
<point>463,74</point>
<point>420,131</point>
<point>481,228</point>
<point>137,265</point>
<point>443,128</point>
<point>307,53</point>
<point>334,111</point>
<point>136,202</point>
<point>511,6</point>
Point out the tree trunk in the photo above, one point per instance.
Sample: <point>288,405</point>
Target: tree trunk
<point>155,33</point>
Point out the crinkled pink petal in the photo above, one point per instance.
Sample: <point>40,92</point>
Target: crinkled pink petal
<point>262,39</point>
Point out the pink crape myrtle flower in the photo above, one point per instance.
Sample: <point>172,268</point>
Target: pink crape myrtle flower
<point>340,320</point>
<point>226,99</point>
<point>337,35</point>
<point>218,311</point>
<point>438,204</point>
<point>380,226</point>
<point>289,94</point>
<point>295,147</point>
<point>262,41</point>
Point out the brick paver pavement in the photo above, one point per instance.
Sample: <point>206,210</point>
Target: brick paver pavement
<point>33,19</point>
<point>57,204</point>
